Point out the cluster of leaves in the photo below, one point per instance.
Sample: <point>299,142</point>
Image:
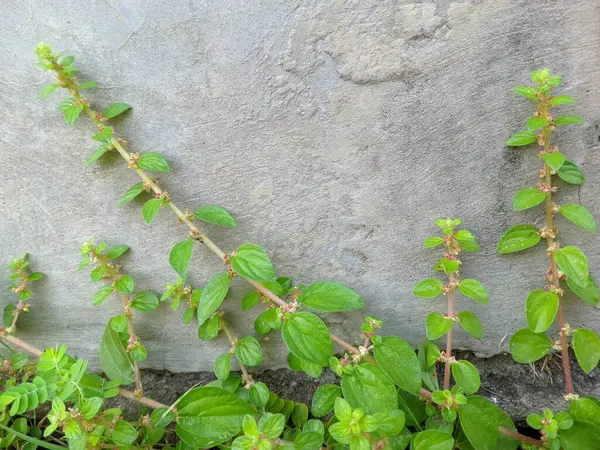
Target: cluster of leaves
<point>20,277</point>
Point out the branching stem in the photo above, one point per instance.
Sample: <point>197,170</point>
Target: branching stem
<point>233,341</point>
<point>448,363</point>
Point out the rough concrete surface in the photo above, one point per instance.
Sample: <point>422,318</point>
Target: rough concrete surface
<point>334,131</point>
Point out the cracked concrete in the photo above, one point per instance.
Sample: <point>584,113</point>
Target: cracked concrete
<point>335,132</point>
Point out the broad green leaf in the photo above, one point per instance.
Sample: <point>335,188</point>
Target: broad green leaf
<point>180,257</point>
<point>209,329</point>
<point>96,155</point>
<point>573,262</point>
<point>209,416</point>
<point>330,297</point>
<point>259,394</point>
<point>272,425</point>
<point>471,324</point>
<point>251,261</point>
<point>432,440</point>
<point>579,216</point>
<point>308,440</point>
<point>299,414</point>
<point>541,308</point>
<point>115,362</point>
<point>428,288</point>
<point>521,138</point>
<point>562,100</point>
<point>586,346</point>
<point>369,388</point>
<point>582,435</point>
<point>449,266</point>
<point>526,91</point>
<point>324,399</point>
<point>215,214</point>
<point>399,361</point>
<point>145,301</point>
<point>527,347</point>
<point>437,325</point>
<point>47,90</point>
<point>528,198</point>
<point>250,300</point>
<point>585,409</point>
<point>568,120</point>
<point>150,209</point>
<point>479,420</point>
<point>114,109</point>
<point>474,290</point>
<point>268,320</point>
<point>248,351</point>
<point>131,193</point>
<point>222,366</point>
<point>116,251</point>
<point>433,241</point>
<point>555,160</point>
<point>101,295</point>
<point>124,284</point>
<point>571,173</point>
<point>153,162</point>
<point>213,295</point>
<point>519,237</point>
<point>307,337</point>
<point>588,292</point>
<point>311,369</point>
<point>466,376</point>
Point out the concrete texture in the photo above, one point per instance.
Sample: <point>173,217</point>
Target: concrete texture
<point>334,131</point>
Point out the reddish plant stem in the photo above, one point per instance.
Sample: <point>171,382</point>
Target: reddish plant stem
<point>448,363</point>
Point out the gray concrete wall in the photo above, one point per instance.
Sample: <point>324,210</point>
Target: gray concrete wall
<point>334,131</point>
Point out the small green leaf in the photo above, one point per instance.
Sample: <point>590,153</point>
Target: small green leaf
<point>428,288</point>
<point>153,162</point>
<point>431,242</point>
<point>474,290</point>
<point>248,351</point>
<point>299,415</point>
<point>131,193</point>
<point>250,300</point>
<point>259,394</point>
<point>101,295</point>
<point>150,209</point>
<point>251,261</point>
<point>526,91</point>
<point>562,100</point>
<point>541,308</point>
<point>88,85</point>
<point>471,324</point>
<point>449,266</point>
<point>571,173</point>
<point>519,237</point>
<point>528,198</point>
<point>521,138</point>
<point>114,109</point>
<point>573,262</point>
<point>180,257</point>
<point>568,120</point>
<point>213,295</point>
<point>96,155</point>
<point>47,90</point>
<point>330,297</point>
<point>145,301</point>
<point>588,292</point>
<point>555,160</point>
<point>215,214</point>
<point>119,323</point>
<point>527,347</point>
<point>124,284</point>
<point>586,346</point>
<point>72,113</point>
<point>535,123</point>
<point>437,325</point>
<point>432,440</point>
<point>324,399</point>
<point>579,216</point>
<point>307,337</point>
<point>398,360</point>
<point>466,376</point>
<point>222,366</point>
<point>114,359</point>
<point>209,329</point>
<point>116,250</point>
<point>272,425</point>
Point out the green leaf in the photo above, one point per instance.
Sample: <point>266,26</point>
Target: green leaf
<point>209,329</point>
<point>369,388</point>
<point>573,262</point>
<point>114,109</point>
<point>145,301</point>
<point>299,414</point>
<point>432,440</point>
<point>571,173</point>
<point>153,162</point>
<point>119,323</point>
<point>466,376</point>
<point>528,198</point>
<point>101,295</point>
<point>526,91</point>
<point>131,193</point>
<point>250,300</point>
<point>562,100</point>
<point>437,325</point>
<point>518,238</point>
<point>307,337</point>
<point>535,123</point>
<point>324,399</point>
<point>527,347</point>
<point>88,85</point>
<point>209,416</point>
<point>8,314</point>
<point>308,440</point>
<point>330,297</point>
<point>222,366</point>
<point>124,284</point>
<point>585,409</point>
<point>32,440</point>
<point>449,266</point>
<point>555,160</point>
<point>588,292</point>
<point>251,261</point>
<point>579,216</point>
<point>568,120</point>
<point>474,290</point>
<point>580,436</point>
<point>116,250</point>
<point>248,351</point>
<point>471,324</point>
<point>150,209</point>
<point>272,425</point>
<point>428,288</point>
<point>398,360</point>
<point>115,362</point>
<point>586,346</point>
<point>72,113</point>
<point>215,214</point>
<point>433,241</point>
<point>521,138</point>
<point>541,308</point>
<point>259,394</point>
<point>479,420</point>
<point>180,257</point>
<point>213,295</point>
<point>47,90</point>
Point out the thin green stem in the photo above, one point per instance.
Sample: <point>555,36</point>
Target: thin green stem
<point>448,363</point>
<point>233,341</point>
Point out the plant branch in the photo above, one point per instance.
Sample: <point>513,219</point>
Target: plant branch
<point>448,363</point>
<point>233,341</point>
